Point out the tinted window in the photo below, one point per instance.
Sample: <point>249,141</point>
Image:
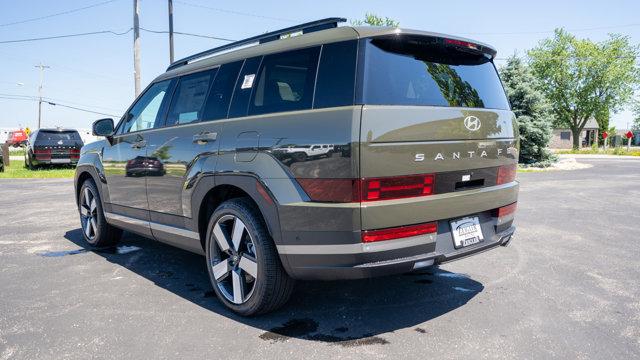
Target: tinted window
<point>217,105</point>
<point>244,86</point>
<point>413,71</point>
<point>285,82</point>
<point>44,135</point>
<point>188,99</point>
<point>565,135</point>
<point>336,75</point>
<point>144,114</point>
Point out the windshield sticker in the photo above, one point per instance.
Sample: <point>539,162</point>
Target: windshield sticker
<point>248,81</point>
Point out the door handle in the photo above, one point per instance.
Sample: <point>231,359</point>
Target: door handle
<point>205,137</point>
<point>139,144</point>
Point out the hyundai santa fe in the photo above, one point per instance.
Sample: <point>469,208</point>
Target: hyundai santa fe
<point>339,153</point>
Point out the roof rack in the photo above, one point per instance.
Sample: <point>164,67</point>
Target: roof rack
<point>308,27</point>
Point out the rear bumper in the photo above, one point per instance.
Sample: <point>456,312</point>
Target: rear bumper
<point>402,255</point>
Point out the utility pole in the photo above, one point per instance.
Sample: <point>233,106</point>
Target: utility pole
<point>170,31</point>
<point>41,67</point>
<point>136,46</point>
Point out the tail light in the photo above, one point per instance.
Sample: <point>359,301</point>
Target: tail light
<point>74,153</point>
<point>506,210</point>
<point>331,190</point>
<point>506,174</point>
<point>397,187</point>
<point>399,232</point>
<point>370,189</point>
<point>42,153</point>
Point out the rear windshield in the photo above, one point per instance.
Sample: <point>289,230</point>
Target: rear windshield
<point>58,135</point>
<point>421,71</point>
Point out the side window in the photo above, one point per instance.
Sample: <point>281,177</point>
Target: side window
<point>188,99</point>
<point>217,105</point>
<point>285,82</point>
<point>244,86</point>
<point>336,75</point>
<point>145,112</point>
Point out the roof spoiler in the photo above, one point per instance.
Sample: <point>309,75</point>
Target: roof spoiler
<point>306,28</point>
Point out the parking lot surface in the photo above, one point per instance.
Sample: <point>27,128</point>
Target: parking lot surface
<point>567,287</point>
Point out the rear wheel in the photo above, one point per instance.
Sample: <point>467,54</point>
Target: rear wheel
<point>243,265</point>
<point>95,229</point>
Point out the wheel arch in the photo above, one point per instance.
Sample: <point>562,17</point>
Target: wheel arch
<point>233,186</point>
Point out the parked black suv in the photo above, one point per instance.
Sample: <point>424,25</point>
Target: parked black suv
<point>53,147</point>
<point>345,152</point>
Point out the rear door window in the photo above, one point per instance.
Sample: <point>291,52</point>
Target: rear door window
<point>47,136</point>
<point>244,86</point>
<point>217,104</point>
<point>285,82</point>
<point>188,99</point>
<point>336,75</point>
<point>419,71</point>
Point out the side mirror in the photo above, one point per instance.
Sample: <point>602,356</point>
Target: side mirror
<point>103,127</point>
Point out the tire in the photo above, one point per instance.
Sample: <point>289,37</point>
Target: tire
<point>248,278</point>
<point>27,163</point>
<point>95,229</point>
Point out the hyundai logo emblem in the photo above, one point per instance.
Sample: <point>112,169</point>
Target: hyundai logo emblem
<point>472,123</point>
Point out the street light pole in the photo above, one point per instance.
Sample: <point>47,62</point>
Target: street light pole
<point>136,46</point>
<point>170,31</point>
<point>41,67</point>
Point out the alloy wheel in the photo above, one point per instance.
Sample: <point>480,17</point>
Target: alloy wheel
<point>89,214</point>
<point>234,264</point>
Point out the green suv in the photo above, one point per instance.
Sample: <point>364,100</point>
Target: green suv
<point>314,152</point>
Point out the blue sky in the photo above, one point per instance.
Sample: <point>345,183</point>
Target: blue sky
<point>96,72</point>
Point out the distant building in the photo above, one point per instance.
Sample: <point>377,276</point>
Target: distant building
<point>562,138</point>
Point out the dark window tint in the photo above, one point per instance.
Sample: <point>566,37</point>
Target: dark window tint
<point>285,82</point>
<point>421,71</point>
<point>147,110</point>
<point>243,88</point>
<point>44,135</point>
<point>336,75</point>
<point>219,97</point>
<point>188,98</point>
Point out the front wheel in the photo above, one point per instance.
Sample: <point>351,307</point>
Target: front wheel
<point>95,229</point>
<point>243,265</point>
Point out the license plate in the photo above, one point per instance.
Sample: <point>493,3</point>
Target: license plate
<point>60,161</point>
<point>466,232</point>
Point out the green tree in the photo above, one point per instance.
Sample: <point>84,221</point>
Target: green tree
<point>582,78</point>
<point>533,110</point>
<point>374,20</point>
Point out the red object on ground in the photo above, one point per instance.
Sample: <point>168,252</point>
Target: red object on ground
<point>604,135</point>
<point>629,134</point>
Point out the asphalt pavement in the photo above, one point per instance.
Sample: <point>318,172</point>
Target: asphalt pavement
<point>567,287</point>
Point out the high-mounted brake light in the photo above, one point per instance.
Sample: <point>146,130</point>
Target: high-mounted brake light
<point>507,210</point>
<point>399,232</point>
<point>506,174</point>
<point>461,43</point>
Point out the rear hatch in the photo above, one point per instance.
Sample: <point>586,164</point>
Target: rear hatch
<point>58,146</point>
<point>432,106</point>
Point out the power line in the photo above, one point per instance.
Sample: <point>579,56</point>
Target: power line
<point>57,14</point>
<point>66,36</point>
<point>185,33</point>
<point>110,32</point>
<point>53,103</point>
<point>236,12</point>
<point>80,109</point>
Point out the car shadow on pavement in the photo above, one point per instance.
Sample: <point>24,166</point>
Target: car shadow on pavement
<point>345,313</point>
